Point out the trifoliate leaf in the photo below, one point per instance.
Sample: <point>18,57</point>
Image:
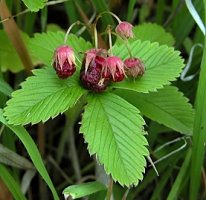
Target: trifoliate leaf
<point>43,45</point>
<point>42,96</point>
<point>113,129</point>
<point>154,33</point>
<point>162,65</point>
<point>167,106</point>
<point>35,5</point>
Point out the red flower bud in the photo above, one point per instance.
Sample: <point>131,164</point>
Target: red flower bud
<point>64,61</point>
<point>115,67</point>
<point>134,67</point>
<point>91,75</point>
<point>124,30</point>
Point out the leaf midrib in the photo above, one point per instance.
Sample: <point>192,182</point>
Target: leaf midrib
<point>115,139</point>
<point>157,106</point>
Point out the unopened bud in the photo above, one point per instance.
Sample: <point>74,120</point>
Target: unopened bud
<point>64,61</point>
<point>124,30</point>
<point>134,67</point>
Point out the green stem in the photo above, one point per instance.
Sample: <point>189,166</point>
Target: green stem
<point>72,116</point>
<point>95,36</point>
<point>69,29</point>
<point>110,40</point>
<point>73,152</point>
<point>110,13</point>
<point>199,132</point>
<point>125,43</point>
<point>109,190</point>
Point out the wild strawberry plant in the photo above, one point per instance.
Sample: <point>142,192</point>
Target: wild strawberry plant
<point>108,90</point>
<point>102,81</point>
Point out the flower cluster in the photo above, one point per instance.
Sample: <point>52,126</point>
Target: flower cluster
<point>99,67</point>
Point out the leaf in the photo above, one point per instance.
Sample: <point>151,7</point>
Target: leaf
<point>11,183</point>
<point>42,96</point>
<point>9,59</point>
<point>167,106</point>
<point>35,5</point>
<point>180,180</point>
<point>5,88</point>
<point>83,189</point>
<point>43,45</point>
<point>162,64</point>
<point>154,33</point>
<point>114,131</point>
<point>33,152</point>
<point>11,158</point>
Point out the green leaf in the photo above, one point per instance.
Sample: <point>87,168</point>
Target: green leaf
<point>83,189</point>
<point>113,129</point>
<point>42,96</point>
<point>9,59</point>
<point>167,106</point>
<point>162,64</point>
<point>154,33</point>
<point>11,183</point>
<point>5,88</point>
<point>33,152</point>
<point>11,158</point>
<point>35,5</point>
<point>130,10</point>
<point>43,45</point>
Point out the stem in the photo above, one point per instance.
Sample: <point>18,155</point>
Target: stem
<point>69,29</point>
<point>72,116</point>
<point>110,39</point>
<point>50,3</point>
<point>109,190</point>
<point>95,36</point>
<point>108,12</point>
<point>73,152</point>
<point>58,168</point>
<point>2,129</point>
<point>128,49</point>
<point>15,36</point>
<point>125,194</point>
<point>41,138</point>
<point>125,43</point>
<point>199,130</point>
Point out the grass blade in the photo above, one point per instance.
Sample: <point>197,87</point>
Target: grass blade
<point>199,136</point>
<point>11,184</point>
<point>33,152</point>
<point>180,178</point>
<point>5,88</point>
<point>130,10</point>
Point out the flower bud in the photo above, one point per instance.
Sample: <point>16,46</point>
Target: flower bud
<point>115,66</point>
<point>64,61</point>
<point>91,74</point>
<point>124,30</point>
<point>134,67</point>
